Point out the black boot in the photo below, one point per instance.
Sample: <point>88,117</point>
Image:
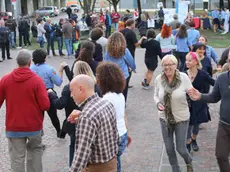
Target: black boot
<point>195,147</point>
<point>188,147</point>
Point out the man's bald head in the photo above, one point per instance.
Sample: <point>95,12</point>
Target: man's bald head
<point>82,87</point>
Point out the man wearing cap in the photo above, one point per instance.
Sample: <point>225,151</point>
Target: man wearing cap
<point>174,23</point>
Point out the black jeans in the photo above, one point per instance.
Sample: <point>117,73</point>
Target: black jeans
<point>26,38</point>
<point>161,22</point>
<point>125,91</point>
<point>181,57</point>
<point>223,147</point>
<point>108,31</point>
<point>5,47</point>
<point>50,43</point>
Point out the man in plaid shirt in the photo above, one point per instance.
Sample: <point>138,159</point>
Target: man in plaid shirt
<point>96,133</point>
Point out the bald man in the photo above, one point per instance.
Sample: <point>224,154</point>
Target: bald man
<point>96,133</point>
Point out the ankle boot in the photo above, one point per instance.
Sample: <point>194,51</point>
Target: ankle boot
<point>195,147</point>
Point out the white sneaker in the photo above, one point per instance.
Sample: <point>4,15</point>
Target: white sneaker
<point>224,33</point>
<point>145,87</point>
<point>19,47</point>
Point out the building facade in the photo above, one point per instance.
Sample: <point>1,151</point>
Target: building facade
<point>24,7</point>
<point>152,4</point>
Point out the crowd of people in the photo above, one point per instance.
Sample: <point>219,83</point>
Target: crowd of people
<point>95,97</point>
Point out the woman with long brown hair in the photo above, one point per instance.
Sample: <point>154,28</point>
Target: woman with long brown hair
<point>86,55</point>
<point>166,39</point>
<point>119,54</point>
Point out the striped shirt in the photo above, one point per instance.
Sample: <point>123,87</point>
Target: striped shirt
<point>96,134</point>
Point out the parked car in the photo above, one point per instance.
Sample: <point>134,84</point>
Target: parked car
<point>50,10</point>
<point>4,15</point>
<point>72,6</point>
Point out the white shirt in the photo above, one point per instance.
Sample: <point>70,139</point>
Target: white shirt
<point>103,42</point>
<point>179,103</point>
<point>118,101</point>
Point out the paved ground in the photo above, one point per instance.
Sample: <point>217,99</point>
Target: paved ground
<point>146,153</point>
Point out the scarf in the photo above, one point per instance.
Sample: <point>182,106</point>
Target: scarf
<point>169,88</point>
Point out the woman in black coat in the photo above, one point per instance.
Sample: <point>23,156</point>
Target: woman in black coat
<point>199,111</point>
<point>66,101</point>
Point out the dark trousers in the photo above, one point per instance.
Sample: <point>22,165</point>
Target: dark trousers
<point>108,31</point>
<point>71,149</point>
<point>26,38</point>
<point>223,147</point>
<point>181,57</point>
<point>161,22</point>
<point>50,43</point>
<point>125,91</point>
<point>60,44</point>
<point>5,47</point>
<point>52,112</point>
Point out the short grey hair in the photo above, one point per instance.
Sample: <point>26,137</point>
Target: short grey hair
<point>175,16</point>
<point>24,57</point>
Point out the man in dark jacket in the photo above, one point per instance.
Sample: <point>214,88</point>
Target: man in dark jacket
<point>161,16</point>
<point>88,20</point>
<point>11,24</point>
<point>49,28</point>
<point>74,16</point>
<point>69,11</point>
<point>95,34</point>
<point>4,40</point>
<point>59,36</point>
<point>23,29</point>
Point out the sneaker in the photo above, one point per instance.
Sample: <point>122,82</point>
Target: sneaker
<point>195,147</point>
<point>188,147</point>
<point>19,47</point>
<point>189,167</point>
<point>145,87</point>
<point>9,58</point>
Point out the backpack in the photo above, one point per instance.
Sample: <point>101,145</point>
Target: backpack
<point>76,35</point>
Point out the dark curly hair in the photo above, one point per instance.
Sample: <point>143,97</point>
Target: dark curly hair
<point>86,52</point>
<point>39,56</point>
<point>110,78</point>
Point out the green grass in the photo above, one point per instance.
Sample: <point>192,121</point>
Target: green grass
<point>216,40</point>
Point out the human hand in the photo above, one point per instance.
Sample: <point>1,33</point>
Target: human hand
<point>73,117</point>
<point>144,37</point>
<point>194,94</point>
<point>63,64</point>
<point>49,90</point>
<point>129,141</point>
<point>160,106</point>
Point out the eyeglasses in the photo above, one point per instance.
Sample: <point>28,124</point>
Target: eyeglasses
<point>168,65</point>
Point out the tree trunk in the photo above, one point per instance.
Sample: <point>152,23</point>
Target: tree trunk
<point>139,7</point>
<point>221,3</point>
<point>93,5</point>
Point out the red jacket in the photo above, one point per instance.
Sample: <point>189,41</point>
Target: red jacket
<point>26,98</point>
<point>115,17</point>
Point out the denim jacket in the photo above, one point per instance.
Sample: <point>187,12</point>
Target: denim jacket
<point>125,62</point>
<point>211,54</point>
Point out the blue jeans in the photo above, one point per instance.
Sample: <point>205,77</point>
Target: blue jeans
<point>115,26</point>
<point>12,39</point>
<point>68,45</point>
<point>180,129</point>
<point>71,149</point>
<point>123,142</point>
<point>60,44</point>
<point>41,38</point>
<point>193,129</point>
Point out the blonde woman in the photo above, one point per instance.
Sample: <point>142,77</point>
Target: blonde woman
<point>65,101</point>
<point>170,97</point>
<point>199,111</point>
<point>119,54</point>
